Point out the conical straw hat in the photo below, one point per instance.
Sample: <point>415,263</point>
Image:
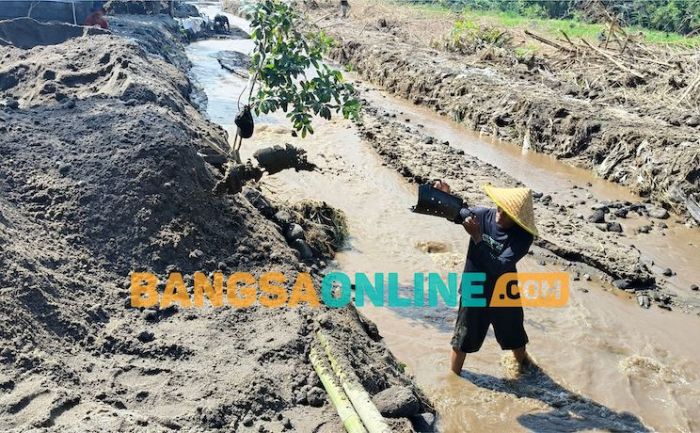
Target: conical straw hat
<point>517,204</point>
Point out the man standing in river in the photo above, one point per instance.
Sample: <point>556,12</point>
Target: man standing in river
<point>499,238</point>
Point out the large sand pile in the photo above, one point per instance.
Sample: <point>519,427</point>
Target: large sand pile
<point>102,173</point>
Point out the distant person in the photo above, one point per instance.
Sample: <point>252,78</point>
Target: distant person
<point>97,18</point>
<point>344,8</point>
<point>499,238</point>
<point>221,24</point>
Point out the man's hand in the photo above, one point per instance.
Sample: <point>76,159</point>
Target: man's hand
<point>471,225</point>
<point>442,186</point>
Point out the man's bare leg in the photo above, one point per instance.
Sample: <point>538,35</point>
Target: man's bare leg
<point>457,361</point>
<point>522,357</point>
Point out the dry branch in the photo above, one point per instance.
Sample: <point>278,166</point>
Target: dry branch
<point>548,42</point>
<point>612,59</point>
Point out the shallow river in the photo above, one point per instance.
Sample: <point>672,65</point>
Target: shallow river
<point>607,365</point>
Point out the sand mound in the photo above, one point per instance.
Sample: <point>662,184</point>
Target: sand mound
<point>28,33</point>
<point>83,68</point>
<point>101,174</point>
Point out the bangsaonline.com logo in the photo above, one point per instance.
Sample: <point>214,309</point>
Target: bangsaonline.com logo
<point>244,290</point>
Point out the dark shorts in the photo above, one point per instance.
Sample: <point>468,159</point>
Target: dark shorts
<point>473,324</point>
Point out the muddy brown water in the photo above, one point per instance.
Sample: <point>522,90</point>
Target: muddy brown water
<point>606,364</point>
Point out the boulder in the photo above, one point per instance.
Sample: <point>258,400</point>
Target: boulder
<point>294,231</point>
<point>597,217</point>
<point>397,402</point>
<point>644,229</point>
<point>424,422</point>
<point>283,218</point>
<point>657,212</point>
<point>621,213</point>
<point>304,249</point>
<point>614,227</point>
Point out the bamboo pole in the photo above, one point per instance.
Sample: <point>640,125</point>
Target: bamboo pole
<point>548,42</point>
<point>351,420</point>
<point>361,400</point>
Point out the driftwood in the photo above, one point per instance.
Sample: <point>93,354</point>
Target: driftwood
<point>548,42</point>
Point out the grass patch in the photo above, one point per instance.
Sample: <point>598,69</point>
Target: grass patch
<point>577,29</point>
<point>549,27</point>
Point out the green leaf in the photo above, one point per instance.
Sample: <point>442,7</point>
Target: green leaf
<point>281,58</point>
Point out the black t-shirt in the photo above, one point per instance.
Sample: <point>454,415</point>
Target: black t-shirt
<point>499,249</point>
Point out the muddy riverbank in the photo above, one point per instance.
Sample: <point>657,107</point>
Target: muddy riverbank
<point>652,149</point>
<point>105,171</point>
<point>570,236</point>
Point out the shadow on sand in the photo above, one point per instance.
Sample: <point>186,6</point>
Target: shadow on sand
<point>570,412</point>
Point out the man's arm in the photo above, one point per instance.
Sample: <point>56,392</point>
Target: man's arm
<point>505,262</point>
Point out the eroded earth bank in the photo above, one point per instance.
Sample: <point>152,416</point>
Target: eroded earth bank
<point>107,168</point>
<point>639,128</point>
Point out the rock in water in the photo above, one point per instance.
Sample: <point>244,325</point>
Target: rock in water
<point>614,227</point>
<point>397,402</point>
<point>657,212</point>
<point>235,62</point>
<point>694,287</point>
<point>668,272</point>
<point>424,422</point>
<point>621,213</point>
<point>597,217</point>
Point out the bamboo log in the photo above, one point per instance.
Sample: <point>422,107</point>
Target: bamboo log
<point>361,400</point>
<point>351,420</point>
<point>548,42</point>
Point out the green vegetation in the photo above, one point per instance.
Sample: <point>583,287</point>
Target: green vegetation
<point>573,27</point>
<point>282,57</point>
<point>660,21</point>
<point>679,16</point>
<point>468,36</point>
